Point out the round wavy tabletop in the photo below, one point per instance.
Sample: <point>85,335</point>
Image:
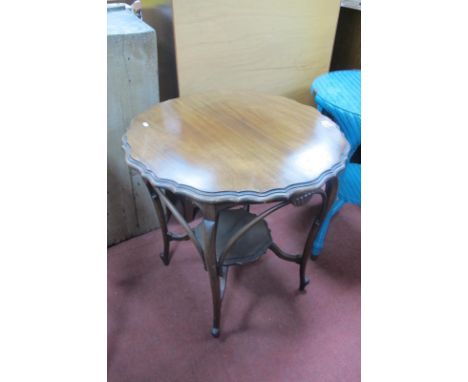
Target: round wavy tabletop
<point>238,147</point>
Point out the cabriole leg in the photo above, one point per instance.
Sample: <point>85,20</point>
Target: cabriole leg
<point>327,201</point>
<point>210,225</point>
<point>209,237</point>
<point>162,222</point>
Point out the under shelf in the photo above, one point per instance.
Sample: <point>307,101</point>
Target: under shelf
<point>250,247</point>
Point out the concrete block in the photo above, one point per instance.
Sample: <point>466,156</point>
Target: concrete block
<point>132,87</point>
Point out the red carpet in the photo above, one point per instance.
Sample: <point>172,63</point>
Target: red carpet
<point>159,317</point>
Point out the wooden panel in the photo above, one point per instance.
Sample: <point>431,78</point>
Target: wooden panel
<point>275,47</point>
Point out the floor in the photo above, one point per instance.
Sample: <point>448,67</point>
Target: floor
<point>159,317</point>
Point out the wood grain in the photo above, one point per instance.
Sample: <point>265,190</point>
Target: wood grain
<point>275,47</point>
<point>235,146</point>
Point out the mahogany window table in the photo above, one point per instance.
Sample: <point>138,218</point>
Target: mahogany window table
<point>221,152</point>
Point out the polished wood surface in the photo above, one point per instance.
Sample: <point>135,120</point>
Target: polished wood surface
<point>225,146</point>
<point>221,149</point>
<point>275,47</point>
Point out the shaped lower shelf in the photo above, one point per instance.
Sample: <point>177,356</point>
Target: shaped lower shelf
<point>250,246</point>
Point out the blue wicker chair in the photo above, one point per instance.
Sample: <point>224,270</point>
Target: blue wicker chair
<point>338,95</point>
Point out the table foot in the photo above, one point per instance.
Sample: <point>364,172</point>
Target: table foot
<point>165,258</point>
<point>215,332</point>
<point>304,283</point>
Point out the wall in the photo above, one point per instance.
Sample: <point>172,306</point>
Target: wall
<point>275,47</point>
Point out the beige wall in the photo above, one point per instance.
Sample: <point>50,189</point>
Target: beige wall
<point>276,47</point>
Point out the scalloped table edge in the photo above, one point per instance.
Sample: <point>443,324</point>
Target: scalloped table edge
<point>234,196</point>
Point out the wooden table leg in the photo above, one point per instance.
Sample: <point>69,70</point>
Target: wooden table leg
<point>210,225</point>
<point>327,201</point>
<point>165,257</point>
<point>206,242</point>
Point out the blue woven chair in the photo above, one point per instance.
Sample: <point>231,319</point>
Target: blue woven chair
<point>338,96</point>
